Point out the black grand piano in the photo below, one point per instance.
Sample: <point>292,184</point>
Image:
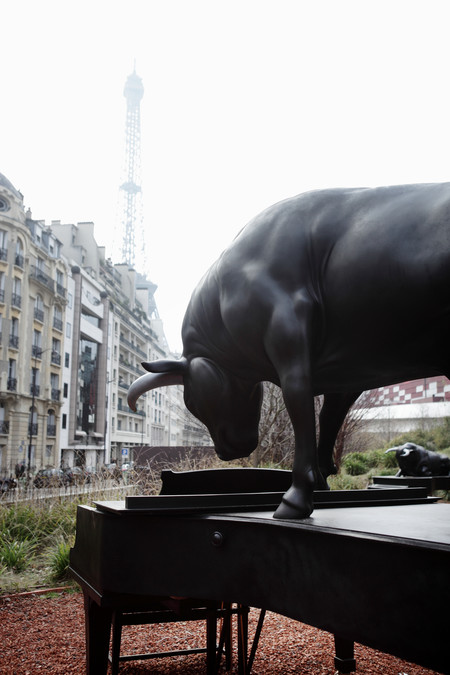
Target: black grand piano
<point>370,566</point>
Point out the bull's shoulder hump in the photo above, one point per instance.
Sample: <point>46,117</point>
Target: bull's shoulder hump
<point>312,222</point>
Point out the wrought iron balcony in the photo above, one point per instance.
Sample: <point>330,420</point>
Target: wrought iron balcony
<point>43,278</point>
<point>33,429</point>
<point>36,351</point>
<point>18,260</point>
<point>12,384</point>
<point>51,429</point>
<point>56,393</point>
<point>35,389</point>
<point>56,358</point>
<point>16,300</point>
<point>4,427</point>
<point>61,290</point>
<point>57,323</point>
<point>3,253</point>
<point>39,314</point>
<point>14,341</point>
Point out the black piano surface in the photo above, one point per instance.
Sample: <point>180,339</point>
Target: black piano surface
<point>376,575</point>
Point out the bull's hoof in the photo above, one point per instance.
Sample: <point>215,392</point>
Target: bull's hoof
<point>295,504</point>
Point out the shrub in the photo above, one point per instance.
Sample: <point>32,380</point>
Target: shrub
<point>16,555</point>
<point>356,463</point>
<point>58,559</point>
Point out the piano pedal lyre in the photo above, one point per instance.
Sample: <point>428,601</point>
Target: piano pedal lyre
<point>170,610</point>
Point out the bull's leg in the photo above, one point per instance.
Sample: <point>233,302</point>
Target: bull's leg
<point>298,500</point>
<point>288,343</point>
<point>334,409</point>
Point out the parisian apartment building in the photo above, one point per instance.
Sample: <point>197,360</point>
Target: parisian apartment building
<point>74,330</point>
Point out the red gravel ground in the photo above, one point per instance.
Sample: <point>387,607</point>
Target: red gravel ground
<point>46,635</point>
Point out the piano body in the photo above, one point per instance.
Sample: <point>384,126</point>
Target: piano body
<point>371,567</point>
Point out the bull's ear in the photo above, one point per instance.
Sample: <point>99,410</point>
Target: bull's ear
<point>179,366</point>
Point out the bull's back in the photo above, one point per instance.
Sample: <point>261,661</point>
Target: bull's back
<point>375,263</point>
<point>385,294</point>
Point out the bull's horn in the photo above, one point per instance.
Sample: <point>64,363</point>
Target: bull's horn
<point>151,381</point>
<point>390,450</point>
<point>179,366</point>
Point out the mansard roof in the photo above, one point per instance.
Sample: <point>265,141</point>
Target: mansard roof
<point>4,182</point>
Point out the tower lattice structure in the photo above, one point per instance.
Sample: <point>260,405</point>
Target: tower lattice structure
<point>130,190</point>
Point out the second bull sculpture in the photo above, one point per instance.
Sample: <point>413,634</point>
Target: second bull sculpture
<point>331,292</point>
<point>415,460</point>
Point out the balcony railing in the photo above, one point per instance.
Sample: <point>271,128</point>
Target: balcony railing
<point>51,429</point>
<point>56,358</point>
<point>12,384</point>
<point>57,323</point>
<point>61,290</point>
<point>16,300</point>
<point>35,389</point>
<point>2,295</point>
<point>14,341</point>
<point>39,314</point>
<point>36,351</point>
<point>18,260</point>
<point>33,429</point>
<point>43,278</point>
<point>4,427</point>
<point>3,253</point>
<point>56,393</point>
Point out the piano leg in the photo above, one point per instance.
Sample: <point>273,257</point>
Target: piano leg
<point>98,630</point>
<point>211,636</point>
<point>242,619</point>
<point>344,660</point>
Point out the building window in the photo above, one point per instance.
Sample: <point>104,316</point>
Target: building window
<point>3,245</point>
<point>35,382</point>
<point>56,352</point>
<point>51,423</point>
<point>66,359</point>
<point>57,319</point>
<point>14,335</point>
<point>12,380</point>
<point>39,309</point>
<point>64,421</point>
<point>36,347</point>
<point>18,260</point>
<point>16,297</point>
<point>54,384</point>
<point>68,330</point>
<point>66,388</point>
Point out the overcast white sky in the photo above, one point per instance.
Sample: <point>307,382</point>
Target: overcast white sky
<point>246,102</point>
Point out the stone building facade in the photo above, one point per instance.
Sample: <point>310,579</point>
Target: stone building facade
<point>33,283</point>
<point>74,329</point>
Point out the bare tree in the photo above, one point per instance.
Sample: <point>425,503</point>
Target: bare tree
<point>350,434</point>
<point>276,437</point>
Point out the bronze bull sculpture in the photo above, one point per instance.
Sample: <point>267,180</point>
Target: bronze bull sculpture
<point>415,460</point>
<point>330,292</point>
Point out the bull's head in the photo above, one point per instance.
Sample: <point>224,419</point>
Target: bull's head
<point>228,406</point>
